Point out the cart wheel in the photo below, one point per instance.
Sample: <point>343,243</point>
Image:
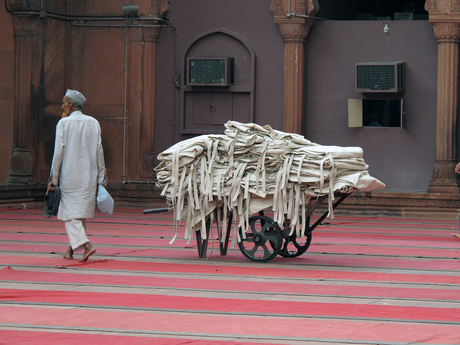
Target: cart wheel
<point>263,239</point>
<point>294,246</point>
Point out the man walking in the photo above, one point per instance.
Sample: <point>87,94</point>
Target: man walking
<point>78,167</point>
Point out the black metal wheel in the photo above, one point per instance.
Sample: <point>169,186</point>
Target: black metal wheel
<point>263,239</point>
<point>294,246</point>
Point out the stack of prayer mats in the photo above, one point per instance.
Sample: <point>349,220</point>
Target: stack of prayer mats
<point>251,168</point>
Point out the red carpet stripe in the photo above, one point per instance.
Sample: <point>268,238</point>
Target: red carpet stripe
<point>233,325</point>
<point>53,337</point>
<point>245,270</point>
<point>314,249</point>
<point>239,306</point>
<point>291,287</point>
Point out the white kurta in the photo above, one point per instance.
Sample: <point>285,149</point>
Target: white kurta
<point>78,165</point>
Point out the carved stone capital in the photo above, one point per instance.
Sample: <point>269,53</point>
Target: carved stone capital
<point>301,7</point>
<point>159,8</point>
<point>446,31</point>
<point>443,11</point>
<point>276,6</point>
<point>443,7</point>
<point>431,6</point>
<point>294,32</point>
<point>25,25</point>
<point>151,34</point>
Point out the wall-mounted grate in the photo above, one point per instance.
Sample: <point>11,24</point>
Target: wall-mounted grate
<point>380,77</point>
<point>210,71</point>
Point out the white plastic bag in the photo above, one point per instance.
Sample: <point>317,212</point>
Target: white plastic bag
<point>104,200</point>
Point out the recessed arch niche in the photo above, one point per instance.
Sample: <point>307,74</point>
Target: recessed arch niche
<point>204,109</point>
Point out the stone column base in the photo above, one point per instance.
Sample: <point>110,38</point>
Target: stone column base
<point>21,166</point>
<point>444,177</point>
<point>443,187</point>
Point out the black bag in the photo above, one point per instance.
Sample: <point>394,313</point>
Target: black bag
<point>52,202</point>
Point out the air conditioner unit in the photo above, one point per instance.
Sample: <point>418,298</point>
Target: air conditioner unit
<point>210,71</point>
<point>380,76</point>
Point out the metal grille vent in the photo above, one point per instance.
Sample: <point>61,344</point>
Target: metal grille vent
<point>210,71</point>
<point>380,77</point>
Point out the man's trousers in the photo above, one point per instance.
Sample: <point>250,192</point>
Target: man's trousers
<point>76,231</point>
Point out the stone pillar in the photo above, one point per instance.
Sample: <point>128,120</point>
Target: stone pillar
<point>290,15</point>
<point>445,18</point>
<point>28,32</point>
<point>150,34</point>
<point>148,111</point>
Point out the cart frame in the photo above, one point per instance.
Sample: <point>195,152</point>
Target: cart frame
<point>278,237</point>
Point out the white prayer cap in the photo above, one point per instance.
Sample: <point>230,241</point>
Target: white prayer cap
<point>76,96</point>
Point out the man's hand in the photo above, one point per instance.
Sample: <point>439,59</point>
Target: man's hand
<point>50,187</point>
<point>457,168</point>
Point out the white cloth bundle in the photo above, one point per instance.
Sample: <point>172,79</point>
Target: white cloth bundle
<point>251,168</point>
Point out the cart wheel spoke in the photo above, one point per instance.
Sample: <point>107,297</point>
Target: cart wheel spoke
<point>253,250</point>
<point>267,252</point>
<point>294,246</point>
<point>263,239</point>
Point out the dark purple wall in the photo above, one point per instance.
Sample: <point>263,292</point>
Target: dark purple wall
<point>403,158</point>
<point>251,19</point>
